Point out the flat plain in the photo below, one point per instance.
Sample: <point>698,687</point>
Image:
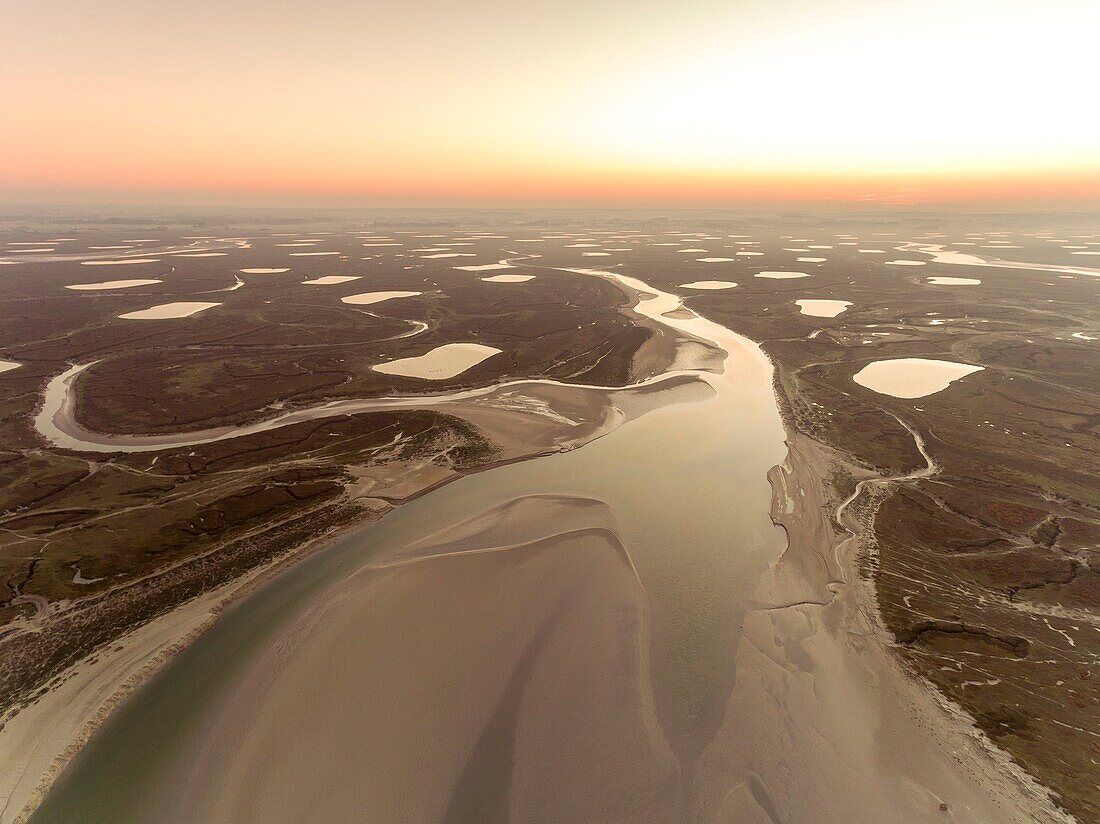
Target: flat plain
<point>974,510</point>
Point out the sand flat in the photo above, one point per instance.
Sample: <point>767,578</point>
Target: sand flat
<point>7,365</point>
<point>912,377</point>
<point>124,262</point>
<point>822,308</point>
<point>508,278</point>
<point>367,298</point>
<point>781,275</point>
<point>179,309</point>
<point>708,284</point>
<point>112,284</point>
<point>943,280</point>
<point>264,271</point>
<point>440,363</point>
<point>485,267</point>
<point>329,280</point>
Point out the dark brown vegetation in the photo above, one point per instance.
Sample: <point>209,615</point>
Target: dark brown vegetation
<point>986,572</point>
<point>94,544</point>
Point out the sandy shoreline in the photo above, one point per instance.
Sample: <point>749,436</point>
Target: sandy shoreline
<point>816,679</point>
<point>38,742</point>
<point>85,694</point>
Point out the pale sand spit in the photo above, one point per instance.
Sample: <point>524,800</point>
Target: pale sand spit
<point>180,309</point>
<point>708,284</point>
<point>941,280</point>
<point>111,284</point>
<point>822,308</point>
<point>912,377</point>
<point>329,280</point>
<point>125,262</point>
<point>367,298</point>
<point>509,278</point>
<point>440,363</point>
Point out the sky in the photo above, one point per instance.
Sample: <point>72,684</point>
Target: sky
<point>509,102</point>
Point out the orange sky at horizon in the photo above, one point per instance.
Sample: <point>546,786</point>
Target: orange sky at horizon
<point>485,102</point>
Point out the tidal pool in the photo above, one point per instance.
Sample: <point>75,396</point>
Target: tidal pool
<point>179,309</point>
<point>440,363</point>
<point>912,377</point>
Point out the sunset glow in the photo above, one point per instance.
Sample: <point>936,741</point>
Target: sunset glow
<point>694,103</point>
